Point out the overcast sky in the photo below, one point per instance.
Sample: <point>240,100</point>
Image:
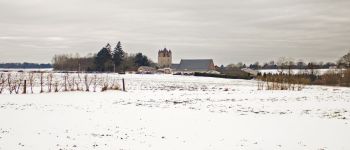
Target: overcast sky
<point>228,31</point>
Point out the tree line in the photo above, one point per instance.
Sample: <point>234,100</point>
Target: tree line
<point>105,60</point>
<point>24,65</point>
<point>290,63</point>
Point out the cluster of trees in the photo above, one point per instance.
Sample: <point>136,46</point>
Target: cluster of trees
<point>344,61</point>
<point>106,60</point>
<point>285,80</point>
<point>69,62</point>
<point>28,82</point>
<point>292,64</point>
<point>24,65</point>
<point>334,78</point>
<point>284,61</point>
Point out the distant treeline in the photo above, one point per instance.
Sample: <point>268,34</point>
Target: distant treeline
<point>289,63</point>
<point>106,60</point>
<point>289,81</point>
<point>24,65</point>
<point>294,65</point>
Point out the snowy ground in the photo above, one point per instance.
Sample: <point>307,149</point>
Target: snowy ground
<point>166,112</point>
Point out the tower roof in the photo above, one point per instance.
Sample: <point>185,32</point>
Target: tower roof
<point>165,50</point>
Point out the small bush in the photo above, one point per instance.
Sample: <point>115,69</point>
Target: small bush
<point>298,81</point>
<point>283,81</point>
<point>104,88</point>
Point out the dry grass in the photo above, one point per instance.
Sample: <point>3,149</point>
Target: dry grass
<point>298,81</point>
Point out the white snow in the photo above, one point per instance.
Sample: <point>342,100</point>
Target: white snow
<point>166,112</point>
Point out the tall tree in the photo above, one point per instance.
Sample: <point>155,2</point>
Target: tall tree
<point>103,59</point>
<point>118,55</point>
<point>285,63</point>
<point>345,61</point>
<point>141,60</point>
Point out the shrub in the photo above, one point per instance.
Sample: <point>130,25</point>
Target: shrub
<point>282,81</point>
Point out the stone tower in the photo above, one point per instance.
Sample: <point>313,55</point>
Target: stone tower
<point>164,58</point>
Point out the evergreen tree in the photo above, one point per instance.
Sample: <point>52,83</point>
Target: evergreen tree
<point>118,55</point>
<point>141,60</point>
<point>103,59</point>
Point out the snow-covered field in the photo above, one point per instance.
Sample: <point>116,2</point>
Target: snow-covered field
<point>166,112</point>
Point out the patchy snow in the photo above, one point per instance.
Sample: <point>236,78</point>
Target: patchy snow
<point>178,112</point>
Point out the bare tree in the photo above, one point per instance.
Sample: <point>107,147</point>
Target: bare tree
<point>346,78</point>
<point>31,80</point>
<point>87,82</point>
<point>10,83</point>
<point>285,63</point>
<point>71,83</point>
<point>345,61</point>
<point>56,83</point>
<point>19,77</point>
<point>49,82</point>
<point>282,65</point>
<point>300,65</point>
<point>65,81</point>
<point>312,69</point>
<point>78,82</point>
<point>95,82</point>
<point>2,82</point>
<point>41,82</point>
<point>290,64</point>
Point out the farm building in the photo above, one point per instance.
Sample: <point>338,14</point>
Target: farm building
<point>146,70</point>
<point>165,70</point>
<point>186,66</point>
<point>195,65</point>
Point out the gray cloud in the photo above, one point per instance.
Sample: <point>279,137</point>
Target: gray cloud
<point>226,30</point>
